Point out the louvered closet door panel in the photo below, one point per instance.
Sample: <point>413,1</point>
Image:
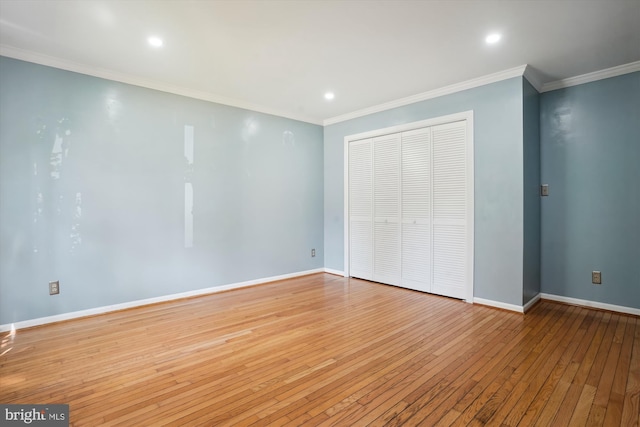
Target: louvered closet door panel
<point>386,209</point>
<point>361,251</point>
<point>449,210</point>
<point>416,209</point>
<point>361,209</point>
<point>387,253</point>
<point>416,257</point>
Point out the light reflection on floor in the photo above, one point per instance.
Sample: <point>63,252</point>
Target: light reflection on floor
<point>6,344</point>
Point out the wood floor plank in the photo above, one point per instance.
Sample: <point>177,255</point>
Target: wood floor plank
<point>525,365</point>
<point>536,394</point>
<point>618,387</point>
<point>568,406</point>
<point>331,351</point>
<point>424,387</point>
<point>590,355</point>
<point>462,386</point>
<point>631,408</point>
<point>581,411</point>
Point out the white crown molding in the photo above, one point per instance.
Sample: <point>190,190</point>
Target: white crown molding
<point>447,90</point>
<point>131,304</point>
<point>592,77</point>
<point>523,70</point>
<point>591,304</point>
<point>50,61</point>
<point>532,77</point>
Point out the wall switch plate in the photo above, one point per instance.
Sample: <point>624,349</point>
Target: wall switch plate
<point>54,287</point>
<point>313,252</point>
<point>544,190</point>
<point>596,278</point>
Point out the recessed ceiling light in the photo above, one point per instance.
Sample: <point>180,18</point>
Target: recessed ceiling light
<point>155,41</point>
<point>493,38</point>
<point>329,96</point>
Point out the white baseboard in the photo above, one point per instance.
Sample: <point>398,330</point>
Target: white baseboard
<point>332,271</point>
<point>498,304</point>
<point>592,304</point>
<point>531,302</point>
<point>106,309</point>
<point>115,307</point>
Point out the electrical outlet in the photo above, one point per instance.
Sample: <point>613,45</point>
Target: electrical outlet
<point>54,287</point>
<point>544,190</point>
<point>596,278</point>
<point>313,252</point>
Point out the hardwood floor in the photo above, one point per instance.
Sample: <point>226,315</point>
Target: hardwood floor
<point>324,350</point>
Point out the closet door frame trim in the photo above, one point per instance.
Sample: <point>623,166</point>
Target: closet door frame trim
<point>457,117</point>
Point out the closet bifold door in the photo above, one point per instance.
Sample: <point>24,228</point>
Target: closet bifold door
<point>361,209</point>
<point>449,191</point>
<point>416,209</point>
<point>386,209</point>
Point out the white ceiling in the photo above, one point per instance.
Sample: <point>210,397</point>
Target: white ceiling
<point>282,56</point>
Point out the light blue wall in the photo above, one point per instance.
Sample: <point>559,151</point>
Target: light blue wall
<point>498,145</point>
<point>590,146</point>
<point>261,183</point>
<point>531,162</point>
<point>110,227</point>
